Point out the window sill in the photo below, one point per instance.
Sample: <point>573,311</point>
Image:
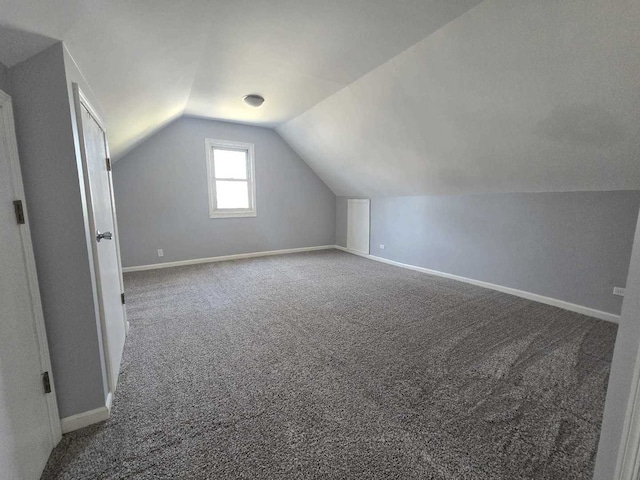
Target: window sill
<point>232,214</point>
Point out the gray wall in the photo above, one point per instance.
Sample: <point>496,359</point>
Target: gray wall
<point>162,197</point>
<point>5,85</point>
<point>625,357</point>
<point>54,198</point>
<point>569,246</point>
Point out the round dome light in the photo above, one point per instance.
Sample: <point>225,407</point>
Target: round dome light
<point>253,100</point>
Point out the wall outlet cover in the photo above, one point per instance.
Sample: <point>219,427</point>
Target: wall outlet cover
<point>618,291</point>
<point>160,252</point>
<point>381,247</point>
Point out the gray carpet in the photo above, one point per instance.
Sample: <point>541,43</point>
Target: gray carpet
<point>327,365</point>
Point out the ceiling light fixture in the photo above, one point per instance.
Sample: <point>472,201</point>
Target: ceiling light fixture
<point>253,100</point>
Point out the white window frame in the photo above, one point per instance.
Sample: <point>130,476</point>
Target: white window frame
<point>214,211</point>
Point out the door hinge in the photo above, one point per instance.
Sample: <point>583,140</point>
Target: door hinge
<point>122,298</point>
<point>108,164</point>
<point>46,382</point>
<point>17,206</point>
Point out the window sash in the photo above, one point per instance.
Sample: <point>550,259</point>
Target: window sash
<point>214,210</point>
<point>228,149</point>
<point>242,196</point>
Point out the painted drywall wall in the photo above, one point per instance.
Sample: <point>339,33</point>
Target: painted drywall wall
<point>625,358</point>
<point>162,197</point>
<point>571,246</point>
<point>4,79</point>
<point>512,96</point>
<point>53,196</point>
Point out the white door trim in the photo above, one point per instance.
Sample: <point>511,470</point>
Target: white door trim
<point>80,101</point>
<point>628,464</point>
<point>32,276</point>
<point>628,454</point>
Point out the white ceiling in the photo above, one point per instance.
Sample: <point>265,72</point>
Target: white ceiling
<point>512,96</point>
<point>380,97</point>
<point>150,61</point>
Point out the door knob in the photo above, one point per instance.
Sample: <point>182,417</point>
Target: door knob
<point>105,235</point>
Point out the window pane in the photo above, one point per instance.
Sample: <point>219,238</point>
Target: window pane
<point>230,163</point>
<point>232,194</point>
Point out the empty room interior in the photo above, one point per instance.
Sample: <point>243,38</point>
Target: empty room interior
<point>296,239</point>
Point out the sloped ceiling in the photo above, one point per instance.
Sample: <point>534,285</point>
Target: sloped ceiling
<point>150,61</point>
<point>18,45</point>
<point>512,96</point>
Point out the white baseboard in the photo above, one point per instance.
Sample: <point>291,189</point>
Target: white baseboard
<point>223,258</point>
<point>591,312</point>
<point>610,317</point>
<point>84,419</point>
<point>353,252</point>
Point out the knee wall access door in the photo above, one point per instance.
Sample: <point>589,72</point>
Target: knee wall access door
<point>358,225</point>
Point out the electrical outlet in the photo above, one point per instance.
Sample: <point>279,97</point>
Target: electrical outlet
<point>618,291</point>
<point>160,252</point>
<point>381,247</point>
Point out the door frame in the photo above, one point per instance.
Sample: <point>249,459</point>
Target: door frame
<point>628,461</point>
<point>627,466</point>
<point>366,201</point>
<point>80,100</point>
<point>30,266</point>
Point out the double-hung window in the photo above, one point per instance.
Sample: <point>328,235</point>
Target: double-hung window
<point>231,176</point>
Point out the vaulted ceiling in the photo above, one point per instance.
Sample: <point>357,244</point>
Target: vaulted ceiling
<point>380,97</point>
<point>512,96</point>
<point>150,61</point>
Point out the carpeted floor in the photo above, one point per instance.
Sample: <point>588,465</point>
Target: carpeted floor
<point>327,365</point>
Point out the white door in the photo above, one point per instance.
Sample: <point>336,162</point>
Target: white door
<point>358,225</point>
<point>102,222</point>
<point>29,421</point>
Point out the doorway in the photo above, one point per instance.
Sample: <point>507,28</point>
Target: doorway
<point>96,166</point>
<point>29,420</point>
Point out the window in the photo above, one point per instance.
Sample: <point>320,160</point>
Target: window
<point>232,186</point>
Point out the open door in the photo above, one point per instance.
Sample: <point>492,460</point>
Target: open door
<point>102,223</point>
<point>358,225</point>
<point>29,420</point>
